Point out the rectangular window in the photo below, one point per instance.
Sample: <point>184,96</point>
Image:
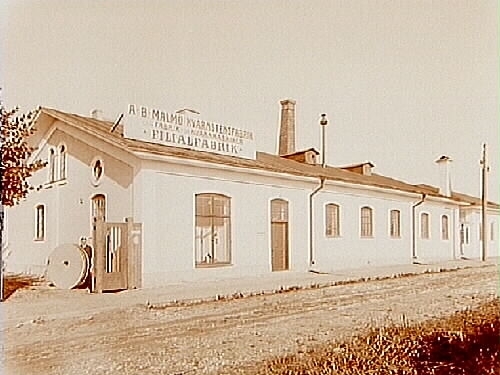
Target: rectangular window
<point>366,229</point>
<point>424,226</point>
<point>445,235</point>
<point>212,229</point>
<point>395,224</point>
<point>480,232</point>
<point>40,222</point>
<point>279,211</point>
<point>332,220</point>
<point>492,231</point>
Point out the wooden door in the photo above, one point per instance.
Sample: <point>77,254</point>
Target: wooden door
<point>279,235</point>
<point>111,256</point>
<point>279,251</point>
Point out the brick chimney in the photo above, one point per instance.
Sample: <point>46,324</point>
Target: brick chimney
<point>287,127</point>
<point>444,175</point>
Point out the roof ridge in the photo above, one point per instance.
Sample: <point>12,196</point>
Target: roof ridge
<point>263,160</point>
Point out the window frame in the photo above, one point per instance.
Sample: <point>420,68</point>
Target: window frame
<point>282,204</point>
<point>395,230</point>
<point>445,227</point>
<point>62,150</point>
<point>425,231</point>
<point>96,180</point>
<point>52,165</point>
<point>332,220</point>
<point>366,225</point>
<point>212,216</point>
<point>40,227</point>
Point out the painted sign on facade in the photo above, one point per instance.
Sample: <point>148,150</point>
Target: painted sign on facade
<point>182,130</point>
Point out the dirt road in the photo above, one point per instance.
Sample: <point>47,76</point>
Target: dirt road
<point>224,337</point>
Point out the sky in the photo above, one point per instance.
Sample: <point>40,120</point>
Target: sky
<point>402,82</point>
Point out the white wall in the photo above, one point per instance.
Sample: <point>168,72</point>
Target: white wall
<point>435,248</point>
<point>473,248</point>
<point>161,195</point>
<point>350,250</point>
<point>168,225</point>
<point>67,202</point>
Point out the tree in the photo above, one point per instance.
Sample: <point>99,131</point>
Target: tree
<point>15,166</point>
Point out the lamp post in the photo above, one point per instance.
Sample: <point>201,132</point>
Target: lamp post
<point>323,122</point>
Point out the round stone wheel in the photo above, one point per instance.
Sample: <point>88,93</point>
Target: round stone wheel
<point>68,266</point>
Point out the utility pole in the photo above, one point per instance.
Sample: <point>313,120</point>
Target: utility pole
<point>484,204</point>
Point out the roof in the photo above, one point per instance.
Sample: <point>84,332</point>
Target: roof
<point>263,161</point>
<point>459,196</point>
<point>302,152</point>
<point>358,165</point>
<point>473,200</point>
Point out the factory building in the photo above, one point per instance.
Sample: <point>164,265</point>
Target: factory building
<point>164,197</point>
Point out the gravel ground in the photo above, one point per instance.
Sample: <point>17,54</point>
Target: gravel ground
<point>227,337</point>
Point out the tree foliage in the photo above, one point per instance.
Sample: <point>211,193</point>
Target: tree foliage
<point>15,165</point>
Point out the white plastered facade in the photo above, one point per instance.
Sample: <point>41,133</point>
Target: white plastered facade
<point>159,192</point>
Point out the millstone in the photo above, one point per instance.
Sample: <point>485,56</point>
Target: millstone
<point>67,266</point>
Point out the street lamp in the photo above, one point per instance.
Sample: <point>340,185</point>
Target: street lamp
<point>323,122</point>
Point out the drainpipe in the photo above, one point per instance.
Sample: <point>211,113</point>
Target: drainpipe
<point>311,227</point>
<point>414,228</point>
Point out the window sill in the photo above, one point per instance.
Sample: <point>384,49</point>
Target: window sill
<point>61,182</point>
<point>39,240</point>
<point>49,185</point>
<point>212,265</point>
<point>332,237</point>
<point>395,237</point>
<point>367,237</point>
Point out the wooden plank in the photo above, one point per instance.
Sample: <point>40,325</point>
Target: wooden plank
<point>127,260</point>
<point>124,255</point>
<point>286,252</point>
<point>137,245</point>
<point>130,254</point>
<point>100,254</point>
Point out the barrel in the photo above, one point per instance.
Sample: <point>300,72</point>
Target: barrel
<point>68,266</point>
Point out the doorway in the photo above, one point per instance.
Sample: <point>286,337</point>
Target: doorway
<point>279,235</point>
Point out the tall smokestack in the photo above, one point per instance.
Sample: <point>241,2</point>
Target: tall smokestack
<point>287,127</point>
<point>444,175</point>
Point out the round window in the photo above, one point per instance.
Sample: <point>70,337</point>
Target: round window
<point>97,171</point>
